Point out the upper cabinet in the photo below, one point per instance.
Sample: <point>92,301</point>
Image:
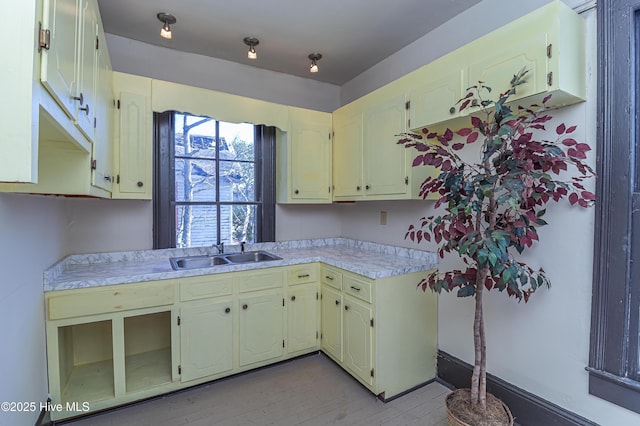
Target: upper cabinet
<point>132,148</point>
<point>304,158</point>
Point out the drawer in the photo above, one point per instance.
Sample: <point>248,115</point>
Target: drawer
<point>260,280</point>
<point>331,277</point>
<point>109,299</point>
<point>358,287</point>
<point>302,274</point>
<point>206,286</point>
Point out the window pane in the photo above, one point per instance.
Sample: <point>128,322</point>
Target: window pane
<point>237,181</point>
<point>238,223</point>
<point>195,226</point>
<point>236,141</point>
<point>199,134</point>
<point>195,180</point>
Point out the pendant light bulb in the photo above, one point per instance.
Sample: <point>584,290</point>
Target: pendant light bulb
<point>315,57</point>
<point>167,19</point>
<point>252,42</point>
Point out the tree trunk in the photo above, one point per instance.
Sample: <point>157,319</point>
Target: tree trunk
<point>478,379</point>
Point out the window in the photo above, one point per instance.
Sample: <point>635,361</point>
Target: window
<point>214,182</point>
<point>614,361</point>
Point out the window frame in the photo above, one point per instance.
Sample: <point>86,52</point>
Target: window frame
<point>164,201</point>
<point>614,370</point>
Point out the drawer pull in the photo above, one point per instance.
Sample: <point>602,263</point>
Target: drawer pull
<point>245,306</point>
<point>355,288</point>
<point>303,276</point>
<point>337,302</point>
<point>227,310</point>
<point>346,307</point>
<point>329,278</point>
<point>293,298</point>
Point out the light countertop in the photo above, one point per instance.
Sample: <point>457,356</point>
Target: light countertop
<point>365,258</point>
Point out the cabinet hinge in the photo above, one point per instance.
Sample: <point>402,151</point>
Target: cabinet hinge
<point>407,105</point>
<point>283,301</point>
<point>316,335</point>
<point>178,320</point>
<point>44,38</point>
<point>94,164</point>
<point>320,336</point>
<point>283,343</point>
<point>317,297</point>
<point>329,189</point>
<point>372,373</point>
<point>550,78</point>
<point>406,180</point>
<point>371,322</point>
<point>409,123</point>
<point>117,178</point>
<point>549,50</point>
<point>95,122</point>
<point>97,43</point>
<point>329,135</point>
<point>179,369</point>
<point>118,103</point>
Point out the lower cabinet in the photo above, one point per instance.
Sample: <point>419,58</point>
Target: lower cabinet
<point>112,345</point>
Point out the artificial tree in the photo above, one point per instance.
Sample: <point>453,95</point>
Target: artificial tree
<point>493,207</point>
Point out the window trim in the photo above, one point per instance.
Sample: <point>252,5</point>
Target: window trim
<point>613,358</point>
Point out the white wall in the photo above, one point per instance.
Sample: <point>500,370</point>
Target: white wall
<point>134,57</point>
<point>33,233</point>
<point>299,222</point>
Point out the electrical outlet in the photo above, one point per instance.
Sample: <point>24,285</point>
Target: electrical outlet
<point>383,218</point>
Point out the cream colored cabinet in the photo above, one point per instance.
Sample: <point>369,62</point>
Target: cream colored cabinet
<point>331,325</point>
<point>385,162</point>
<point>110,345</point>
<point>132,151</point>
<point>260,327</point>
<point>304,158</point>
<point>102,159</point>
<point>88,47</point>
<point>435,97</point>
<point>206,338</point>
<point>302,303</point>
<point>358,342</point>
<point>347,153</point>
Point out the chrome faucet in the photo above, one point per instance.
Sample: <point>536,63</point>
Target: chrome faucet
<point>220,247</point>
<point>242,246</point>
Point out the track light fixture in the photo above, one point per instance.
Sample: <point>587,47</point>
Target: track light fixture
<point>167,19</point>
<point>252,42</point>
<point>315,57</point>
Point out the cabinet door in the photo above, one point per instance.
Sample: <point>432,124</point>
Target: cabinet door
<point>104,111</point>
<point>331,322</point>
<point>132,151</point>
<point>347,154</point>
<point>496,72</point>
<point>385,165</point>
<point>59,72</point>
<point>206,339</point>
<point>302,318</point>
<point>435,100</point>
<point>310,161</point>
<point>358,339</point>
<point>261,328</point>
<point>85,109</point>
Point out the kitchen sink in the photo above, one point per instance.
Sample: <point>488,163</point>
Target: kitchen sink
<point>194,262</point>
<point>250,257</point>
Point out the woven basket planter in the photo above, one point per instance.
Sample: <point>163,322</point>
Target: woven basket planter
<point>453,420</point>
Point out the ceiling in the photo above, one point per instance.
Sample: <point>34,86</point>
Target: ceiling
<point>351,35</point>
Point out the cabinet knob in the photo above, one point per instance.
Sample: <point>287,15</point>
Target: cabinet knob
<point>358,188</point>
<point>227,310</point>
<point>245,306</point>
<point>140,184</point>
<point>346,307</point>
<point>337,302</point>
<point>85,109</point>
<point>79,99</point>
<point>296,192</point>
<point>293,298</point>
<point>367,187</point>
<point>452,110</point>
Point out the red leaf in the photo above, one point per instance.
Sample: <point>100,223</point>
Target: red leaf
<point>477,123</point>
<point>418,160</point>
<point>569,142</point>
<point>464,131</point>
<point>448,134</point>
<point>583,147</point>
<point>472,137</point>
<point>573,198</point>
<point>588,196</point>
<point>457,146</point>
<point>464,104</point>
<point>561,129</point>
<point>571,129</point>
<point>583,203</point>
<point>546,98</point>
<point>425,130</point>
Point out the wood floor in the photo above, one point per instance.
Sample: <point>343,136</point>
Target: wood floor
<point>306,391</point>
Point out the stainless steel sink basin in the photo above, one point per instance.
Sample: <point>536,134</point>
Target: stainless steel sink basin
<point>250,257</point>
<point>193,262</point>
